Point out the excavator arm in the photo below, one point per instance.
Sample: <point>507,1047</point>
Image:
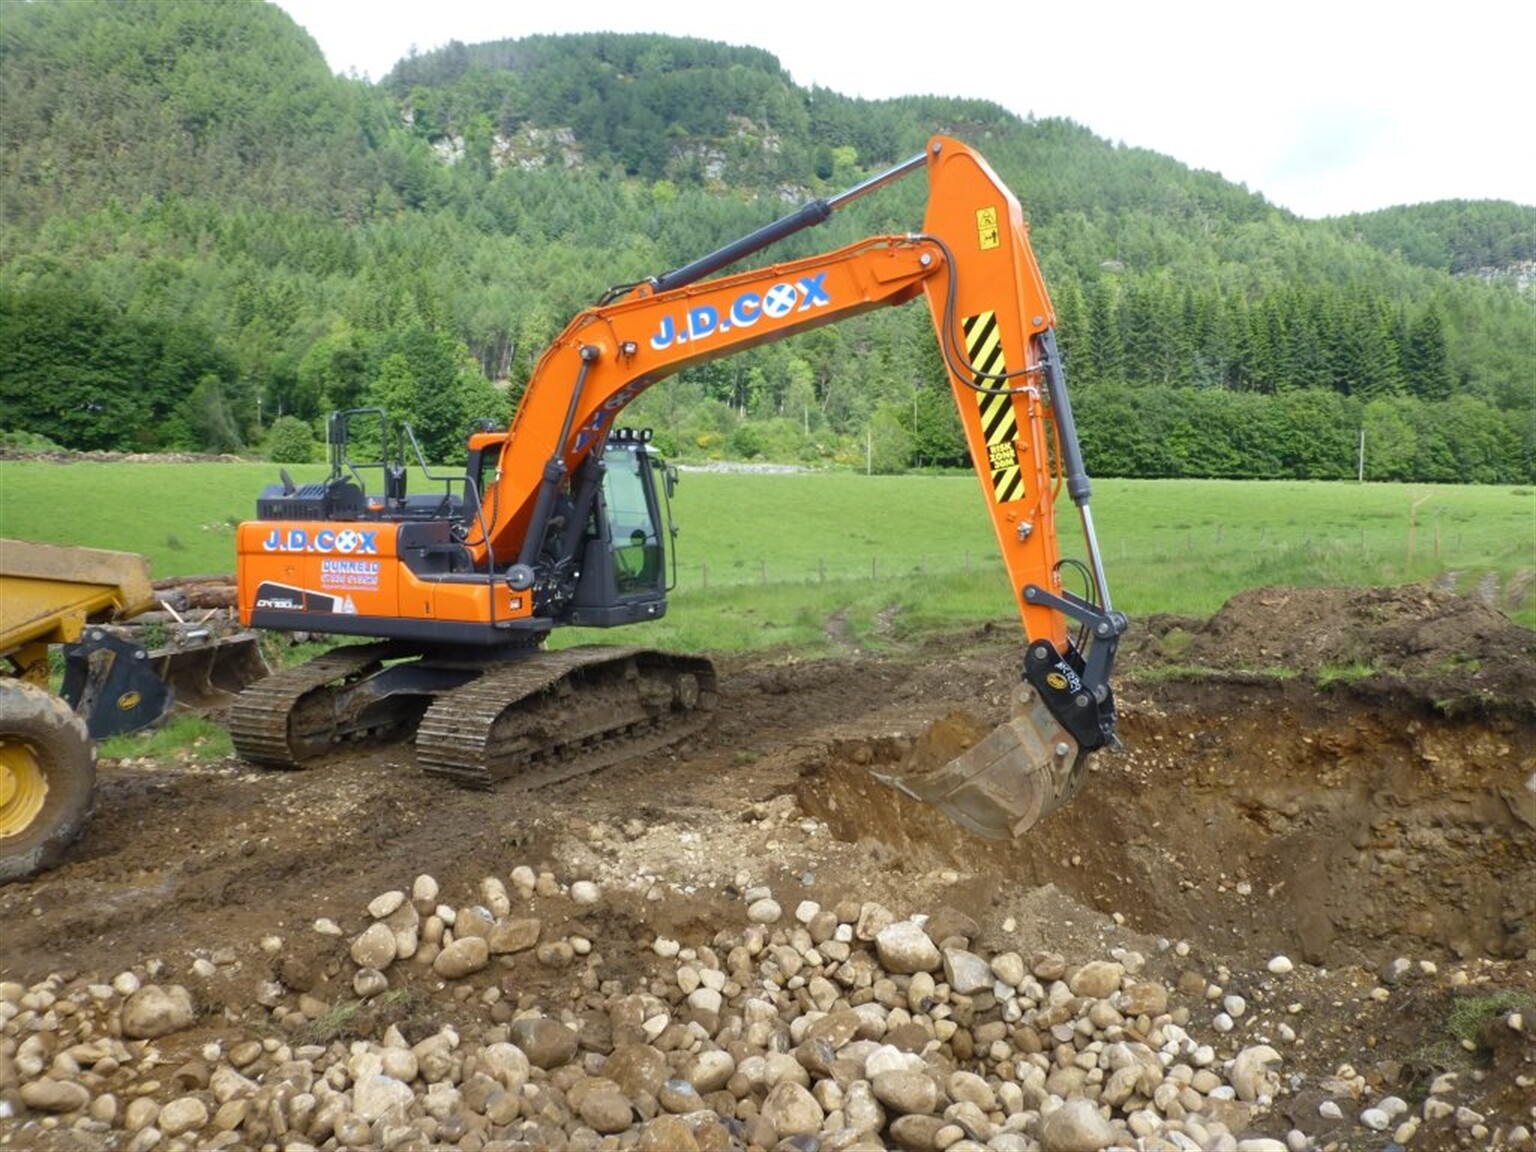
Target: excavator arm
<point>996,331</point>
<point>612,353</point>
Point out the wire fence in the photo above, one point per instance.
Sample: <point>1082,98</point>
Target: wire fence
<point>761,570</point>
<point>1387,552</point>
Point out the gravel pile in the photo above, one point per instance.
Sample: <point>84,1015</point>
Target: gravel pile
<point>803,1028</point>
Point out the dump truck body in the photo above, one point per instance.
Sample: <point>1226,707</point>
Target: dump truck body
<point>74,597</point>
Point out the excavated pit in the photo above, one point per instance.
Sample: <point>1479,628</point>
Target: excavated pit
<point>1342,775</point>
<point>1257,818</point>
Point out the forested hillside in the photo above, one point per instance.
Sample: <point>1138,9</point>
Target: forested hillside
<point>203,231</point>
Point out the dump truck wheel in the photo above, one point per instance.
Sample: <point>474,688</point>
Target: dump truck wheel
<point>47,779</point>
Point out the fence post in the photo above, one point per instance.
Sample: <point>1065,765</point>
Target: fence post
<point>1413,526</point>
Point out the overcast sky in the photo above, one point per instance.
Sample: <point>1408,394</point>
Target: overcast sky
<point>1324,106</point>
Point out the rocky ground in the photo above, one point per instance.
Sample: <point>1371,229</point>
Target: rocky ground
<point>1298,911</point>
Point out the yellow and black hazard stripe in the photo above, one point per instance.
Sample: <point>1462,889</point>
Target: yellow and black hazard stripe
<point>999,424</point>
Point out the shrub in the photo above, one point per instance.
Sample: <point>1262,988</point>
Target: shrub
<point>291,441</point>
<point>22,441</point>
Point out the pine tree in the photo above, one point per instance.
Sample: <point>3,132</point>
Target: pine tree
<point>1426,366</point>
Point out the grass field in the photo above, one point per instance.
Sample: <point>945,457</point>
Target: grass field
<point>767,560</point>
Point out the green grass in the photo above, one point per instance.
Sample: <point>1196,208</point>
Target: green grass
<point>765,561</point>
<point>1468,1014</point>
<point>193,739</point>
<point>1331,674</point>
<point>1464,1020</point>
<point>924,544</point>
<point>340,1023</point>
<point>182,516</point>
<point>1186,546</point>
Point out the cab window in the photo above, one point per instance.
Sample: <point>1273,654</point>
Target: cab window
<point>631,523</point>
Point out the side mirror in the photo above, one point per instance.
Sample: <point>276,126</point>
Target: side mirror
<point>394,483</point>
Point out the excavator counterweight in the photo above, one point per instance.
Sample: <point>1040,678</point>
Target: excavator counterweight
<point>564,519</point>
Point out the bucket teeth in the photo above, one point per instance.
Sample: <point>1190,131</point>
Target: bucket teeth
<point>214,672</point>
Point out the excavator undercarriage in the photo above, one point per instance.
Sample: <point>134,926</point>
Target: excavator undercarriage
<point>532,720</point>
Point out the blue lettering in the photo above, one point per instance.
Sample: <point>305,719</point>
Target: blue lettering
<point>777,302</point>
<point>664,338</point>
<point>780,300</point>
<point>702,321</point>
<point>328,540</point>
<point>589,431</point>
<point>813,292</point>
<point>747,309</point>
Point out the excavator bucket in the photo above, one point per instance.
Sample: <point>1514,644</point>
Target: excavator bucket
<point>108,680</point>
<point>118,686</point>
<point>207,671</point>
<point>998,784</point>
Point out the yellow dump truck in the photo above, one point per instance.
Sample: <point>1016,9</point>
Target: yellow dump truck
<point>53,595</point>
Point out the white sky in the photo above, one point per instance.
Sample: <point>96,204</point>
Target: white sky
<point>1324,106</point>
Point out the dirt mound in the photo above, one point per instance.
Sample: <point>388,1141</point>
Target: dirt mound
<point>1451,652</point>
<point>1261,804</point>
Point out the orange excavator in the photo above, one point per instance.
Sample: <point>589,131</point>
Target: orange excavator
<point>564,519</point>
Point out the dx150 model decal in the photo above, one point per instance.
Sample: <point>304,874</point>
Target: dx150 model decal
<point>781,300</point>
<point>289,598</point>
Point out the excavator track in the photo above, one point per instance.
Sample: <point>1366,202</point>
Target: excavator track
<point>562,714</point>
<point>541,718</point>
<point>286,718</point>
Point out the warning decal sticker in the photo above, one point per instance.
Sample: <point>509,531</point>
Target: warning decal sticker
<point>987,234</point>
<point>999,424</point>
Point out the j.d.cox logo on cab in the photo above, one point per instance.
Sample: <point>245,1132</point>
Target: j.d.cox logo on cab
<point>348,541</point>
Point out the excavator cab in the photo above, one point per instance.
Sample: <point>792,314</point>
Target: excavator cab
<point>624,576</point>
